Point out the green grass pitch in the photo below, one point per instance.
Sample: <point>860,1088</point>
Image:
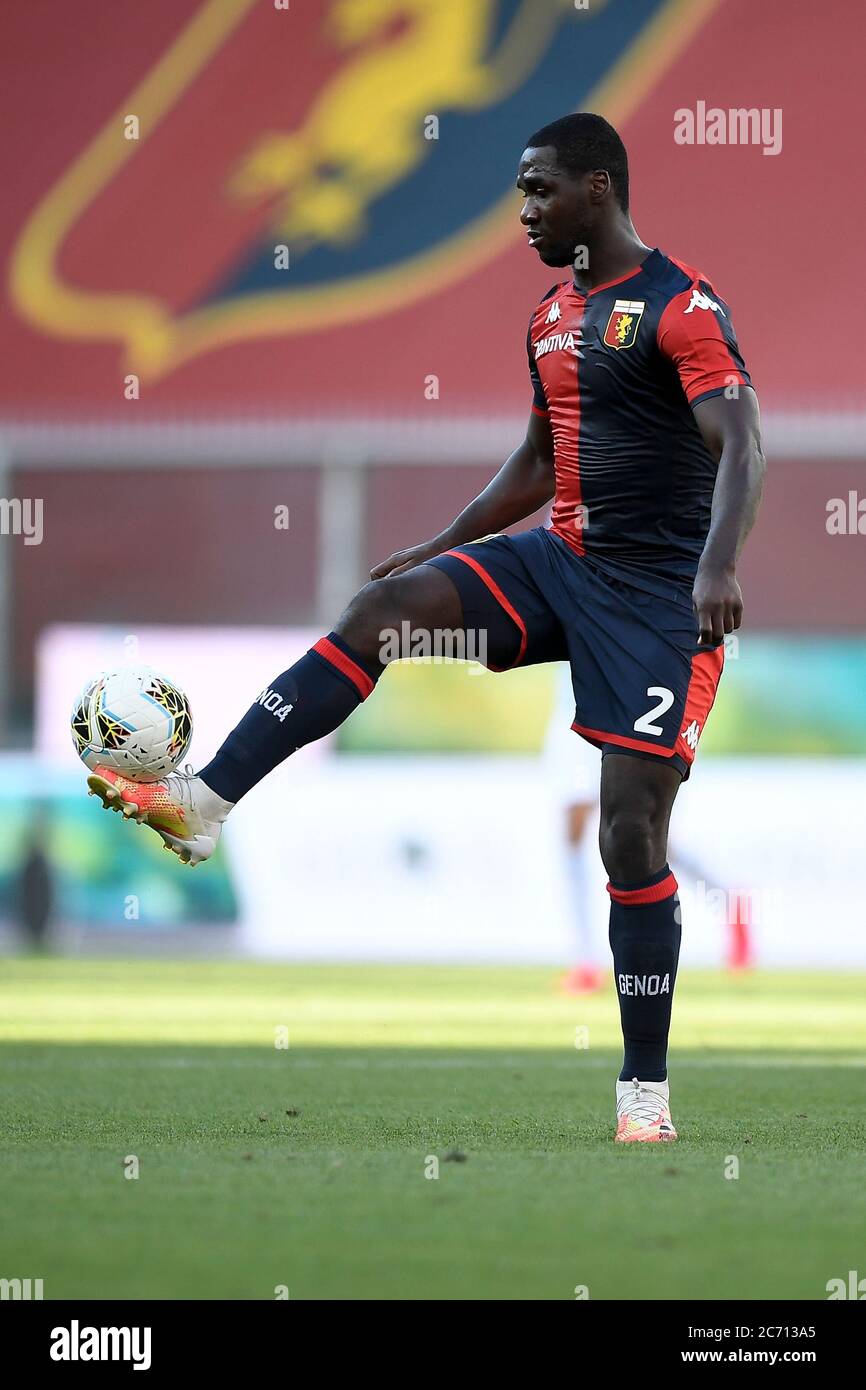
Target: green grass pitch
<point>305,1166</point>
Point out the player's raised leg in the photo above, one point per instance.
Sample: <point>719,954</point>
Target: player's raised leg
<point>318,693</point>
<point>304,703</point>
<point>637,795</point>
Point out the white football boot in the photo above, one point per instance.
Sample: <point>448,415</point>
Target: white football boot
<point>183,811</point>
<point>643,1112</point>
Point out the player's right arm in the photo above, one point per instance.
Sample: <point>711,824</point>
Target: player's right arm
<point>524,483</point>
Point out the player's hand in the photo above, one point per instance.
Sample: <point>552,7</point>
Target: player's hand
<point>403,560</point>
<point>718,603</point>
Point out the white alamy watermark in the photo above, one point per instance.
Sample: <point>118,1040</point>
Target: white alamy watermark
<point>437,645</point>
<point>748,906</point>
<point>20,1289</point>
<point>738,125</point>
<point>852,1287</point>
<point>846,516</point>
<point>77,1343</point>
<point>22,516</point>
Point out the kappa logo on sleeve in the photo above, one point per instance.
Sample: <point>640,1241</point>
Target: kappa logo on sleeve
<point>699,300</point>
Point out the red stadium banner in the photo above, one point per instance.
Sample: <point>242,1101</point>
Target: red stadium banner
<point>259,209</point>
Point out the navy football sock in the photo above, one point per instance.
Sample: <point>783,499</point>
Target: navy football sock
<point>645,936</point>
<point>306,702</point>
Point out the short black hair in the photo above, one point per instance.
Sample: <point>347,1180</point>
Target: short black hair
<point>583,142</point>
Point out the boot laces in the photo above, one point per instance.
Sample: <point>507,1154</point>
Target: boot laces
<point>179,785</point>
<point>642,1105</point>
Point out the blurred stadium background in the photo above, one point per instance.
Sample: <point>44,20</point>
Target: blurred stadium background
<point>263,311</point>
<point>280,333</point>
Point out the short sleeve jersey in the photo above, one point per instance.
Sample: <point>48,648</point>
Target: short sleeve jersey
<point>617,372</point>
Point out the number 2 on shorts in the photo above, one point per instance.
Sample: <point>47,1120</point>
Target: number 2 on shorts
<point>665,700</point>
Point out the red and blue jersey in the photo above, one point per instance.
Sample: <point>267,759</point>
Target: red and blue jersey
<point>617,372</point>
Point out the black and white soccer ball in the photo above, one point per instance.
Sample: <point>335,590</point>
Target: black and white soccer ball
<point>134,721</point>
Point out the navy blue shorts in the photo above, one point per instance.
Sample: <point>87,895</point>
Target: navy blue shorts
<point>642,685</point>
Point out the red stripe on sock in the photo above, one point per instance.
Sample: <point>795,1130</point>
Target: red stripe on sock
<point>656,893</point>
<point>356,674</point>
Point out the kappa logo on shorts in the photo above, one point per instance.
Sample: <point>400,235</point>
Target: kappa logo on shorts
<point>692,734</point>
<point>623,323</point>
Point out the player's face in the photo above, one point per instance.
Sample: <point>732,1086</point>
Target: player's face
<point>557,212</point>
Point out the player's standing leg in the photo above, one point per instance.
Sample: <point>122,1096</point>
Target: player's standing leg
<point>637,795</point>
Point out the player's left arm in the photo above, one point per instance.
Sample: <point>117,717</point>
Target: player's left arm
<point>696,334</point>
<point>731,429</point>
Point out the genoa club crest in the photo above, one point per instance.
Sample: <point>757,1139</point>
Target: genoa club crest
<point>622,325</point>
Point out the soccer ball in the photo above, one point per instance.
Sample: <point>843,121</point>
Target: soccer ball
<point>134,721</point>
